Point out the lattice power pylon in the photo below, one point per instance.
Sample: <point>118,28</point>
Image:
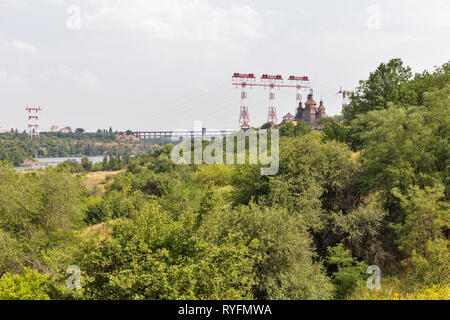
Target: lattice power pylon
<point>345,97</point>
<point>271,81</point>
<point>244,80</point>
<point>299,86</point>
<point>267,81</point>
<point>33,122</point>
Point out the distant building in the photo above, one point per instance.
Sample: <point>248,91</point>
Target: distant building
<point>54,129</point>
<point>288,118</point>
<point>311,113</point>
<point>2,130</point>
<point>66,130</point>
<point>245,126</point>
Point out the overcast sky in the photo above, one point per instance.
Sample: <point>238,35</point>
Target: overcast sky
<point>146,64</point>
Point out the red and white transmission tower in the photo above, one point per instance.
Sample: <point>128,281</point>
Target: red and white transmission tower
<point>268,81</point>
<point>33,122</point>
<point>244,80</point>
<point>345,97</point>
<point>271,81</point>
<point>299,81</point>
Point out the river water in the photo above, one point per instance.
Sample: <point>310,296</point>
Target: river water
<point>53,162</point>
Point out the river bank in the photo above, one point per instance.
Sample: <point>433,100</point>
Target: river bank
<point>42,163</point>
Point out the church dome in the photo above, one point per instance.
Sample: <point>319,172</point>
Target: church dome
<point>321,106</point>
<point>310,101</point>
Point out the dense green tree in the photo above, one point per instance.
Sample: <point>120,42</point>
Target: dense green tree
<point>285,267</point>
<point>386,84</point>
<point>424,234</point>
<point>335,129</point>
<point>86,164</point>
<point>349,271</point>
<point>404,147</point>
<point>153,256</point>
<point>39,213</point>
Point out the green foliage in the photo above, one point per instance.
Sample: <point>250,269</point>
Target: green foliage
<point>162,231</point>
<point>391,84</point>
<point>113,205</point>
<point>70,166</point>
<point>349,270</point>
<point>431,265</point>
<point>30,285</point>
<point>248,183</point>
<point>312,175</point>
<point>11,253</point>
<point>284,267</point>
<point>427,217</point>
<point>39,213</point>
<point>86,164</point>
<point>423,235</point>
<point>404,147</point>
<point>302,128</point>
<point>436,292</point>
<point>154,256</point>
<point>361,230</point>
<point>220,175</point>
<point>387,84</point>
<point>16,147</point>
<point>290,130</point>
<point>335,129</point>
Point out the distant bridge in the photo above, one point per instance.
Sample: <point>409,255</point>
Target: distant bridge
<point>192,134</point>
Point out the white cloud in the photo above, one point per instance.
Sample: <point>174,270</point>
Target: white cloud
<point>20,4</point>
<point>13,4</point>
<point>175,19</point>
<point>83,79</point>
<point>11,77</point>
<point>23,46</point>
<point>13,82</point>
<point>420,15</point>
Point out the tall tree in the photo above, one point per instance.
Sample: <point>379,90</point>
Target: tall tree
<point>386,84</point>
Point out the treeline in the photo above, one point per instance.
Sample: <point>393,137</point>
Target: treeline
<point>372,189</point>
<point>110,163</point>
<point>16,147</point>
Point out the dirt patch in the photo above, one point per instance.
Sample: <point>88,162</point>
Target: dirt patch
<point>94,179</point>
<point>356,154</point>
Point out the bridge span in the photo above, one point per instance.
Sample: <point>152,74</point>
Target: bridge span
<point>185,134</point>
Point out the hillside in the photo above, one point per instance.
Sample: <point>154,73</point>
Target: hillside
<point>17,148</point>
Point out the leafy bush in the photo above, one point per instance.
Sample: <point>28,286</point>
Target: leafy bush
<point>30,285</point>
<point>153,256</point>
<point>349,271</point>
<point>38,213</point>
<point>436,292</point>
<point>432,265</point>
<point>422,236</point>
<point>360,231</point>
<point>284,267</point>
<point>70,166</point>
<point>220,175</point>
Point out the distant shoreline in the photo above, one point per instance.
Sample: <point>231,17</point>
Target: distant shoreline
<point>38,163</point>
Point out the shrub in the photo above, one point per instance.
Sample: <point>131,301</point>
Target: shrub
<point>219,174</point>
<point>30,285</point>
<point>349,270</point>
